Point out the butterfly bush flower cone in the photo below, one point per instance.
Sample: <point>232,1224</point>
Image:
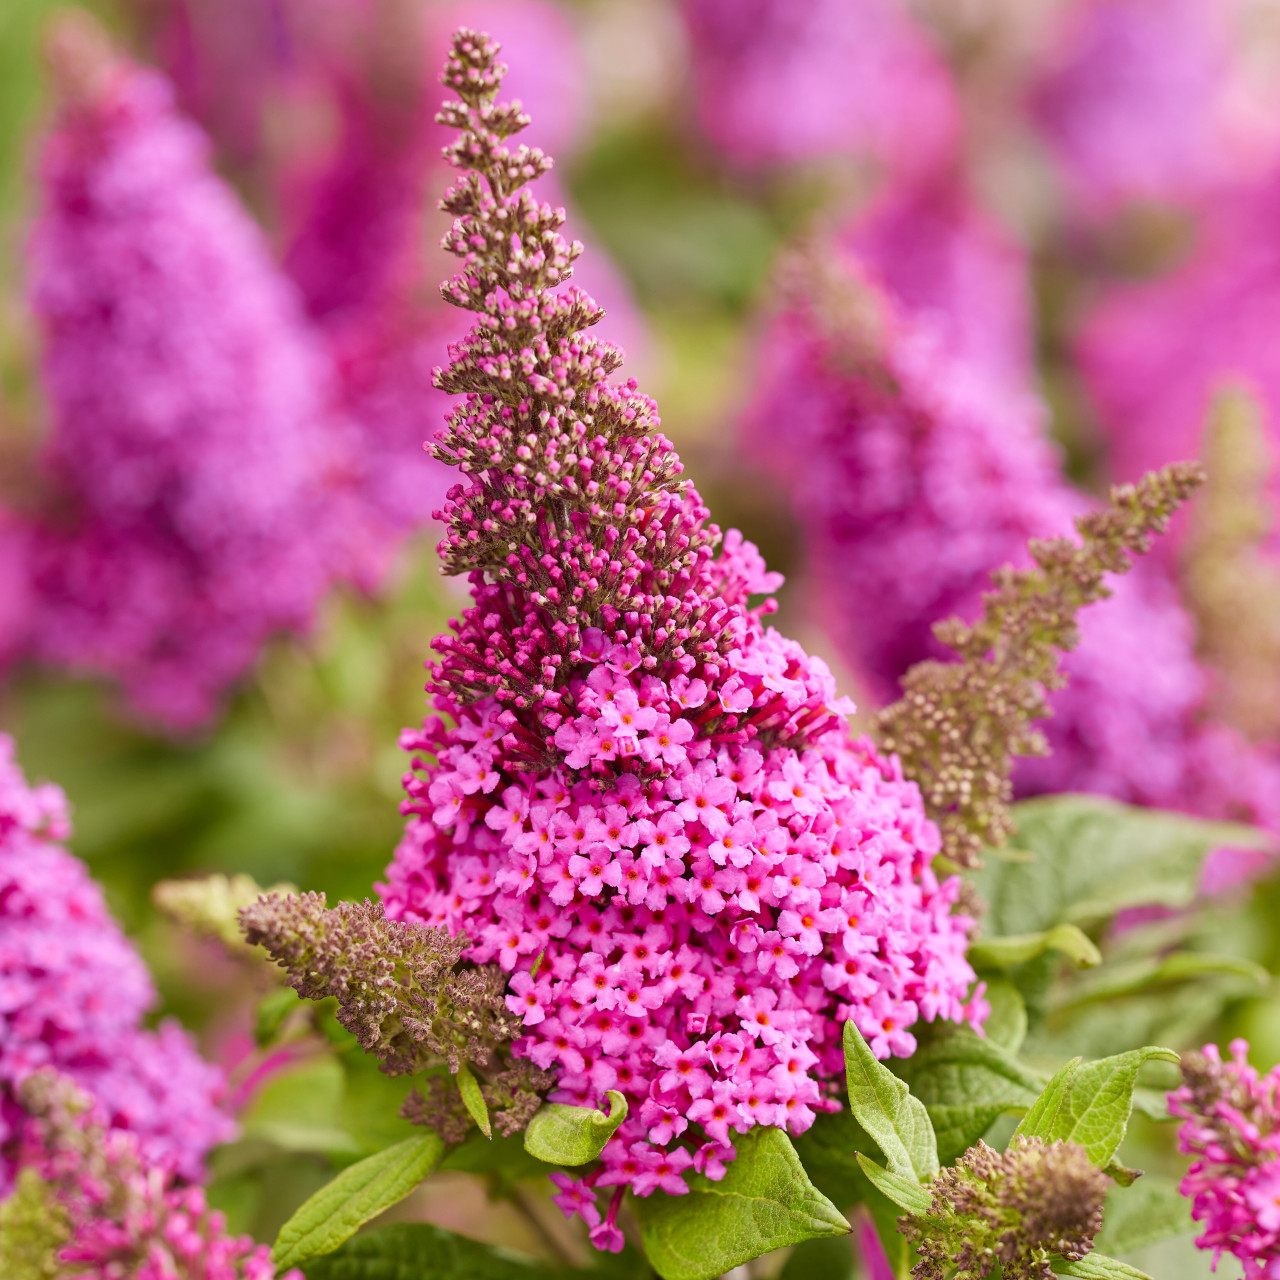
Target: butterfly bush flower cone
<point>101,1210</point>
<point>191,447</point>
<point>1231,1129</point>
<point>638,800</point>
<point>896,397</point>
<point>74,991</point>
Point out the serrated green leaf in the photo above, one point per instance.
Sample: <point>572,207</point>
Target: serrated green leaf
<point>1096,1266</point>
<point>1090,1102</point>
<point>764,1201</point>
<point>356,1195</point>
<point>473,1099</point>
<point>564,1135</point>
<point>1094,857</point>
<point>418,1251</point>
<point>1002,953</point>
<point>884,1107</point>
<point>1144,1214</point>
<point>965,1082</point>
<point>904,1192</point>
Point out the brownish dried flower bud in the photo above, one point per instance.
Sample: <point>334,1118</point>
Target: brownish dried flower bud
<point>959,725</point>
<point>1232,585</point>
<point>1014,1209</point>
<point>409,998</point>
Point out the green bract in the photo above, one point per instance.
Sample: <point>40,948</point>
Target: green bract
<point>564,1135</point>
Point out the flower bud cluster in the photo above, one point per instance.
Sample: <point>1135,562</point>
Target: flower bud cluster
<point>634,798</point>
<point>1006,1213</point>
<point>408,997</point>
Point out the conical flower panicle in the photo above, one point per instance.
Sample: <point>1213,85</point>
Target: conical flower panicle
<point>635,799</point>
<point>574,518</point>
<point>193,452</point>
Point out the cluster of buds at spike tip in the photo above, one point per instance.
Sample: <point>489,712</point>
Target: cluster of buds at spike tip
<point>409,998</point>
<point>88,1204</point>
<point>959,725</point>
<point>1007,1213</point>
<point>573,521</point>
<point>1231,1129</point>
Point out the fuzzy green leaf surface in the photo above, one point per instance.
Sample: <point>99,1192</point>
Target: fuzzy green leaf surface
<point>1094,857</point>
<point>1001,953</point>
<point>965,1082</point>
<point>1090,1102</point>
<point>469,1087</point>
<point>564,1135</point>
<point>1097,1266</point>
<point>764,1202</point>
<point>884,1107</point>
<point>359,1193</point>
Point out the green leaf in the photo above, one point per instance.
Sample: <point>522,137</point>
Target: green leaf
<point>885,1108</point>
<point>418,1251</point>
<point>965,1082</point>
<point>904,1192</point>
<point>1002,953</point>
<point>271,1013</point>
<point>1090,1103</point>
<point>763,1202</point>
<point>1096,1266</point>
<point>560,1134</point>
<point>1143,975</point>
<point>1150,1211</point>
<point>356,1195</point>
<point>1094,857</point>
<point>293,1109</point>
<point>1006,1024</point>
<point>474,1099</point>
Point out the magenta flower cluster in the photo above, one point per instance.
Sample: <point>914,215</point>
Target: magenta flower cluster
<point>1231,1129</point>
<point>703,924</point>
<point>634,797</point>
<point>125,1216</point>
<point>73,992</point>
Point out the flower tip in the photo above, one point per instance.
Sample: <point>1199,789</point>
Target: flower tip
<point>80,56</point>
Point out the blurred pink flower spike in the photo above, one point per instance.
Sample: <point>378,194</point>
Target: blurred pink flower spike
<point>193,444</point>
<point>75,992</point>
<point>781,81</point>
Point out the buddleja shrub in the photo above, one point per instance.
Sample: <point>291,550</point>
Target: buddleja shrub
<point>661,929</point>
